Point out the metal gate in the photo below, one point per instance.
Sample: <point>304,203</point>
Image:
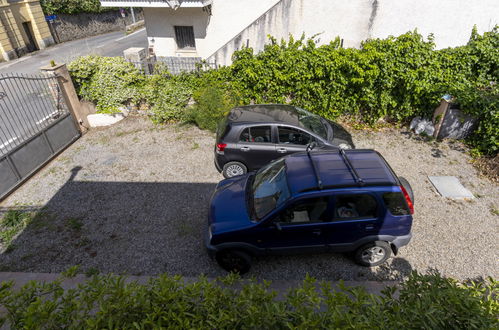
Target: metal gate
<point>35,125</point>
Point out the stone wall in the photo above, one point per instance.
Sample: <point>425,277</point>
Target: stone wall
<point>71,27</point>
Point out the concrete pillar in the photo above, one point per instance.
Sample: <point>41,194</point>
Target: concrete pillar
<point>69,93</point>
<point>137,56</point>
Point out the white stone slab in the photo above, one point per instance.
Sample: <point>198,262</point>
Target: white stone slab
<point>450,187</point>
<point>103,119</point>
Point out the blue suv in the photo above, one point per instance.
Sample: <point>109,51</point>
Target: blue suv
<point>314,201</point>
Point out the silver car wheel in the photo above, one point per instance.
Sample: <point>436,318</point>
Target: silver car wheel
<point>234,170</point>
<point>373,254</point>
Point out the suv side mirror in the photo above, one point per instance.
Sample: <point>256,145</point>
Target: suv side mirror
<point>278,226</point>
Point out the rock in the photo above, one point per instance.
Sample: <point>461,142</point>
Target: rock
<point>124,110</point>
<point>104,119</point>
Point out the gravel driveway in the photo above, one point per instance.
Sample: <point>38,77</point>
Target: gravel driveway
<point>132,199</point>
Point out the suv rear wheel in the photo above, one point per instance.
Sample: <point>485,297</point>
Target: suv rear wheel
<point>373,254</point>
<point>232,169</point>
<point>234,261</point>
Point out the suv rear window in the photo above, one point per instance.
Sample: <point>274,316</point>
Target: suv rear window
<point>395,203</point>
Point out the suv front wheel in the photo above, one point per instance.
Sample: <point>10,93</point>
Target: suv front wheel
<point>234,261</point>
<point>373,254</point>
<point>232,169</point>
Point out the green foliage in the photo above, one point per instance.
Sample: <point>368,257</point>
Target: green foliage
<point>109,82</point>
<point>394,79</point>
<point>212,104</point>
<point>13,222</point>
<point>51,7</point>
<point>423,301</point>
<point>168,97</point>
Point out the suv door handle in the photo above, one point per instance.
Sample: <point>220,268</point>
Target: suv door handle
<point>369,227</point>
<point>282,150</point>
<point>317,232</point>
<point>245,149</point>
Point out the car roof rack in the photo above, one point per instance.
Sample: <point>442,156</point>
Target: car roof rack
<point>355,175</point>
<point>310,147</point>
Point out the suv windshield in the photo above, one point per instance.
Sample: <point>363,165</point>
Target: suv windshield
<point>270,188</point>
<point>312,122</point>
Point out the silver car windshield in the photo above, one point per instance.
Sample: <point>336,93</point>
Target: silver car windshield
<point>270,188</point>
<point>312,122</point>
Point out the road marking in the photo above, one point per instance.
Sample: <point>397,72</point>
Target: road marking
<point>8,142</point>
<point>131,34</point>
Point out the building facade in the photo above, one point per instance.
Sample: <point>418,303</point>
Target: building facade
<point>214,29</point>
<point>23,28</point>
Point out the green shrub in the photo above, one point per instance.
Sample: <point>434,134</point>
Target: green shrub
<point>168,97</point>
<point>423,301</point>
<point>212,104</point>
<point>109,82</point>
<point>395,78</point>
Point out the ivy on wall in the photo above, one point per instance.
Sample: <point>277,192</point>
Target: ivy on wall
<point>393,79</point>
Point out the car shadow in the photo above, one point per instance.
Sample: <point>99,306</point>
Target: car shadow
<point>149,228</point>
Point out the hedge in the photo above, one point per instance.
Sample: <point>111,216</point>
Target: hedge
<point>51,7</point>
<point>427,301</point>
<point>394,79</point>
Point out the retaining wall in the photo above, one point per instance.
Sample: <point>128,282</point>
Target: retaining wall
<point>71,27</point>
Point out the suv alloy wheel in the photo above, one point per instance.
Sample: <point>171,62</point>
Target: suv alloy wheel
<point>232,169</point>
<point>373,254</point>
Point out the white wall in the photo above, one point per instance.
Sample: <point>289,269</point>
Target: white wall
<point>211,32</point>
<point>236,22</point>
<point>451,21</point>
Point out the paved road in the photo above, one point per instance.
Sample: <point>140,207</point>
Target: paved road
<point>110,44</point>
<point>27,105</point>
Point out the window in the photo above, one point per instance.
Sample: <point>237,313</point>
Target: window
<point>312,122</point>
<point>288,135</point>
<point>258,134</point>
<point>355,207</point>
<point>306,211</point>
<point>270,188</point>
<point>185,37</point>
<point>396,204</point>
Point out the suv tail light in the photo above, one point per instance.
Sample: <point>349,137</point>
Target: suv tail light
<point>408,199</point>
<point>221,147</point>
